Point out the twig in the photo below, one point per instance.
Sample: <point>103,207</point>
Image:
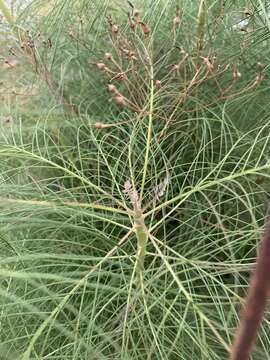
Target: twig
<point>256,301</point>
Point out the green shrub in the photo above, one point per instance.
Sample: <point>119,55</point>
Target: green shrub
<point>131,212</point>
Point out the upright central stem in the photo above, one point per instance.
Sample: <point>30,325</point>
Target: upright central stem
<point>149,131</point>
<point>202,21</point>
<point>142,238</point>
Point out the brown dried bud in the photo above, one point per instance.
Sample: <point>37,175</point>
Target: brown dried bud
<point>236,74</point>
<point>259,78</point>
<point>120,76</point>
<point>115,29</point>
<point>120,100</point>
<point>136,12</point>
<point>145,28</point>
<point>112,88</point>
<point>158,83</point>
<point>176,21</point>
<point>99,125</point>
<point>108,56</point>
<point>101,66</point>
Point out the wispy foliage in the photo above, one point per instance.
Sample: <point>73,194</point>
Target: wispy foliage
<point>131,213</point>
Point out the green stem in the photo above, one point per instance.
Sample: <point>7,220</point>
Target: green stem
<point>142,238</point>
<point>149,134</point>
<point>202,20</point>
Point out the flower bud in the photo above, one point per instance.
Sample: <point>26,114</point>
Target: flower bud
<point>101,66</point>
<point>145,28</point>
<point>115,29</point>
<point>136,12</point>
<point>112,88</point>
<point>176,21</point>
<point>108,56</point>
<point>120,100</point>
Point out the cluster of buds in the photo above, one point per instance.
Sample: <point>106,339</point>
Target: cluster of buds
<point>128,54</point>
<point>134,20</point>
<point>113,27</point>
<point>119,99</point>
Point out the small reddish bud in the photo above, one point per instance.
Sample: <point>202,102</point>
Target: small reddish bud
<point>101,66</point>
<point>176,21</point>
<point>115,29</point>
<point>120,76</point>
<point>112,88</point>
<point>145,28</point>
<point>158,83</point>
<point>259,78</point>
<point>108,56</point>
<point>120,100</point>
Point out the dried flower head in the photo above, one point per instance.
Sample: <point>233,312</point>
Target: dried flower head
<point>101,66</point>
<point>120,100</point>
<point>176,21</point>
<point>145,28</point>
<point>161,188</point>
<point>108,56</point>
<point>259,78</point>
<point>112,88</point>
<point>132,194</point>
<point>115,29</point>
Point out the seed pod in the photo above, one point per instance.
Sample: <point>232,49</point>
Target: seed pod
<point>120,76</point>
<point>112,88</point>
<point>108,56</point>
<point>101,66</point>
<point>158,83</point>
<point>99,125</point>
<point>145,28</point>
<point>120,100</point>
<point>115,29</point>
<point>176,21</point>
<point>259,79</point>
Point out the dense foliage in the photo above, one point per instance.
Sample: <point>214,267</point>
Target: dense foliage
<point>134,152</point>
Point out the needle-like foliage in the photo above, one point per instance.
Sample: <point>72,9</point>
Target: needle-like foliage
<point>134,178</point>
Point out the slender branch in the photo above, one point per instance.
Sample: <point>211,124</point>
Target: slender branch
<point>256,301</point>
